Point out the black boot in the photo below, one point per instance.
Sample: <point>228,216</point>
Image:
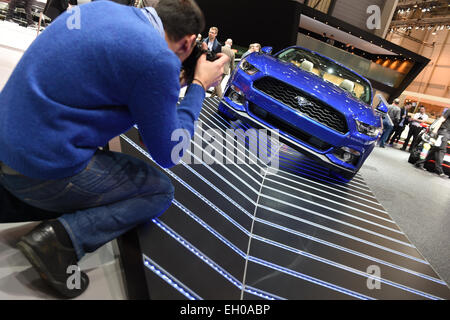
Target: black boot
<point>43,248</point>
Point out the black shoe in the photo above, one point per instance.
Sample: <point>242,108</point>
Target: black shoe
<point>51,259</point>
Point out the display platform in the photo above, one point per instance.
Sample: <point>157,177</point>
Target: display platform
<point>246,231</point>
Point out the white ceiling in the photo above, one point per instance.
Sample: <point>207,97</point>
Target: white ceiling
<point>341,36</point>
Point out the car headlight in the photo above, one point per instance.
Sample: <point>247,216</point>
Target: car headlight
<point>248,68</point>
<point>367,129</point>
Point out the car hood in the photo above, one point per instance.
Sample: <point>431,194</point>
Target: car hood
<point>330,94</point>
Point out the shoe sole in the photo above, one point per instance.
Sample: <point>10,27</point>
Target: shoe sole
<point>37,263</point>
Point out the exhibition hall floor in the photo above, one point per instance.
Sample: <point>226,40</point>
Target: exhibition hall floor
<point>399,209</point>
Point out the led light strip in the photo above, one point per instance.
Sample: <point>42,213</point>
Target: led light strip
<point>238,284</point>
<point>303,235</point>
<point>356,253</point>
<point>221,177</point>
<point>271,242</point>
<point>231,172</point>
<point>251,235</point>
<point>226,242</point>
<point>198,253</point>
<point>352,183</point>
<point>338,211</point>
<point>339,221</point>
<point>309,279</point>
<point>297,251</point>
<point>344,234</point>
<point>297,182</point>
<point>270,209</point>
<point>338,188</point>
<point>262,294</point>
<point>324,178</point>
<point>168,278</point>
<point>227,158</point>
<point>244,145</point>
<point>314,195</point>
<point>237,205</point>
<point>187,186</point>
<point>346,268</point>
<point>211,230</point>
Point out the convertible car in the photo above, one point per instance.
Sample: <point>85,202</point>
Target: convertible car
<point>319,107</point>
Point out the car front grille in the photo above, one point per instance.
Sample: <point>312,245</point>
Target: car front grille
<point>288,128</point>
<point>313,108</point>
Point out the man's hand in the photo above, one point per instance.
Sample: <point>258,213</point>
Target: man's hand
<point>210,73</point>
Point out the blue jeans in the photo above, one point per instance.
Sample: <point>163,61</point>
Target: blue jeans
<point>113,194</point>
<point>387,128</point>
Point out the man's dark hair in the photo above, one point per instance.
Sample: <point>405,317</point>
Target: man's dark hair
<point>180,18</point>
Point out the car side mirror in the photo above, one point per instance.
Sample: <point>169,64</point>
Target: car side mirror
<point>267,50</point>
<point>382,105</point>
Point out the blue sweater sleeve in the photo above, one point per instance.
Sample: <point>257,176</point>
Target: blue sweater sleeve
<point>153,105</point>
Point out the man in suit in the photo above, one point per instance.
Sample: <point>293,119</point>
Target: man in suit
<point>212,42</point>
<point>227,68</point>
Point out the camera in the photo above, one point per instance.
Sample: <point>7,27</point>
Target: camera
<point>188,67</point>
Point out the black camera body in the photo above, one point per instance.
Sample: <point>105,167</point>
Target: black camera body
<point>190,63</point>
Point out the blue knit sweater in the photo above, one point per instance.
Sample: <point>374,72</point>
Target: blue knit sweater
<point>75,89</point>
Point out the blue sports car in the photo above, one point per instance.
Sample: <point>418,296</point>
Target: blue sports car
<point>320,107</point>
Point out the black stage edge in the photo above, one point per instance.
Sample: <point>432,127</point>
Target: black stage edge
<point>242,232</point>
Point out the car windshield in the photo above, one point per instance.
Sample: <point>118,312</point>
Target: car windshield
<point>328,71</point>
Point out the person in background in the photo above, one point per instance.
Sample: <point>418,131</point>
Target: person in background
<point>256,47</point>
<point>404,120</point>
<point>212,42</point>
<point>415,127</point>
<point>441,128</point>
<point>395,114</point>
<point>389,121</point>
<point>227,68</point>
<point>12,6</point>
<point>250,50</point>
